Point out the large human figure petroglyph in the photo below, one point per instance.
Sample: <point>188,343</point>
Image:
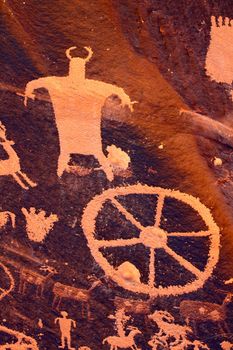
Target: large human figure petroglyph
<point>77,103</point>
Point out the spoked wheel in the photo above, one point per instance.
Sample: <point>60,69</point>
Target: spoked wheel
<point>153,238</point>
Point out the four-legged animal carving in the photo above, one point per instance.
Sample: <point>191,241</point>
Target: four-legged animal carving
<point>82,295</point>
<point>28,276</point>
<point>201,311</point>
<point>117,342</point>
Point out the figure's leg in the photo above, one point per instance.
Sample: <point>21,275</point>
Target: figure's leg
<point>26,179</point>
<point>62,342</point>
<point>17,179</point>
<point>68,340</point>
<point>105,165</point>
<point>63,161</point>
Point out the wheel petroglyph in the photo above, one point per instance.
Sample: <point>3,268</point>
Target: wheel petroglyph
<point>152,237</point>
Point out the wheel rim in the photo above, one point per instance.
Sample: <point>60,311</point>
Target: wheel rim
<point>152,237</point>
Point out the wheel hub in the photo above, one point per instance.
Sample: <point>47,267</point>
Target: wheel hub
<point>153,237</point>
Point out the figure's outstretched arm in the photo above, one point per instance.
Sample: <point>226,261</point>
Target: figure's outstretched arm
<point>31,86</point>
<point>125,99</point>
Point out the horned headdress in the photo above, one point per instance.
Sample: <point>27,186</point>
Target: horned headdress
<point>88,49</point>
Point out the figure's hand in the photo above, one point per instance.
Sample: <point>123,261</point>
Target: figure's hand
<point>27,96</point>
<point>127,102</point>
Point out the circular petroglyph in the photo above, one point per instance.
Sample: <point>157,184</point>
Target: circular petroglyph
<point>153,238</point>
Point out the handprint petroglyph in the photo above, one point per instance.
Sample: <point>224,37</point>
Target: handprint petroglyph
<point>219,58</point>
<point>38,224</point>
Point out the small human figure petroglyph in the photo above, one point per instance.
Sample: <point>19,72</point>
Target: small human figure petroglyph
<point>65,325</point>
<point>38,224</point>
<point>11,165</point>
<point>78,103</point>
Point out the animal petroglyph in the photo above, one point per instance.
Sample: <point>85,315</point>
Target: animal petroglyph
<point>65,325</point>
<point>124,342</point>
<point>38,224</point>
<point>11,166</point>
<point>219,59</point>
<point>201,311</point>
<point>133,306</point>
<point>61,291</point>
<point>167,329</point>
<point>24,342</point>
<point>29,276</point>
<point>77,103</point>
<point>153,237</point>
<point>172,335</point>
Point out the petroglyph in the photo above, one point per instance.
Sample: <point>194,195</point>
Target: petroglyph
<point>5,217</point>
<point>38,224</point>
<point>23,341</point>
<point>11,166</point>
<point>219,58</point>
<point>172,335</point>
<point>9,278</point>
<point>201,311</point>
<point>226,345</point>
<point>65,325</point>
<point>121,320</point>
<point>32,277</point>
<point>61,291</point>
<point>124,342</point>
<point>77,103</point>
<point>153,237</point>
